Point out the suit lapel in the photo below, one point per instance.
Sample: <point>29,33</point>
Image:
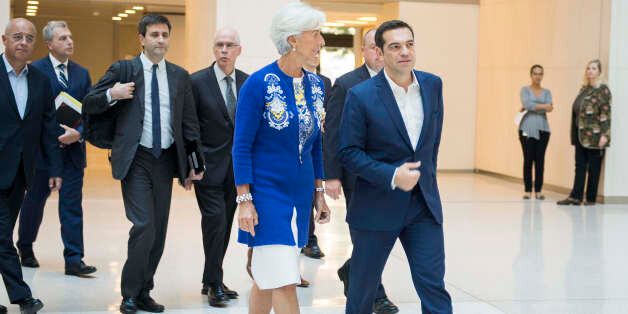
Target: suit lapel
<point>138,78</point>
<point>172,86</point>
<point>426,98</point>
<point>6,85</point>
<point>385,94</point>
<point>31,91</point>
<point>214,88</point>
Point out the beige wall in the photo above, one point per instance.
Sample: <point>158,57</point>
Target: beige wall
<point>561,35</point>
<point>451,53</point>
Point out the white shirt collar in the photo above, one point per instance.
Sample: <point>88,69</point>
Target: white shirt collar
<point>10,69</point>
<point>148,65</point>
<point>371,71</point>
<point>220,75</point>
<point>398,89</point>
<point>55,62</point>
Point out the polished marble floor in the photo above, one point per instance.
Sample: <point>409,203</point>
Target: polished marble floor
<point>504,255</point>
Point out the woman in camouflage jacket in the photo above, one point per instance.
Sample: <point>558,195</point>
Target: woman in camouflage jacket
<point>590,134</point>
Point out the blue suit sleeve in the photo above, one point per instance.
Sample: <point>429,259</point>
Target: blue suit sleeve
<point>248,118</point>
<point>352,146</point>
<point>49,132</point>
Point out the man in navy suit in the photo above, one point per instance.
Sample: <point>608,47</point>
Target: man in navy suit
<point>64,76</point>
<point>389,137</point>
<point>338,178</point>
<point>27,117</point>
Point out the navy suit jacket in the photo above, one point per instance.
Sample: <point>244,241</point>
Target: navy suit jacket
<point>374,142</point>
<point>80,84</point>
<point>331,137</point>
<point>21,139</point>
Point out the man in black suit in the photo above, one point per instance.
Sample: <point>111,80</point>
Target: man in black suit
<point>311,249</point>
<point>338,178</point>
<point>27,117</point>
<point>215,92</point>
<point>154,130</point>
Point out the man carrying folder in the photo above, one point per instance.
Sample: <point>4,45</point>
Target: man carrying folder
<point>73,80</point>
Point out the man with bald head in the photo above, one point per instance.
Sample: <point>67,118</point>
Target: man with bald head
<point>338,178</point>
<point>27,117</point>
<point>215,92</point>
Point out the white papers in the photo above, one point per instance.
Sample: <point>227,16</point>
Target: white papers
<point>65,98</point>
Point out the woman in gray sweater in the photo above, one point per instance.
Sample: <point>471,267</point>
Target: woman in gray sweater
<point>534,131</point>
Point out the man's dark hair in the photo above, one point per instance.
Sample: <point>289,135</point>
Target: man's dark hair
<point>152,19</point>
<point>387,26</point>
<point>536,66</point>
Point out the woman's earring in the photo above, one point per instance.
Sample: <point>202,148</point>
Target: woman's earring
<point>294,48</point>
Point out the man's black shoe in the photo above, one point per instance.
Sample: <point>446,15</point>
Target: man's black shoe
<point>232,294</point>
<point>128,306</point>
<point>148,304</point>
<point>80,270</point>
<point>27,259</point>
<point>384,306</point>
<point>217,296</point>
<point>313,251</point>
<point>30,306</point>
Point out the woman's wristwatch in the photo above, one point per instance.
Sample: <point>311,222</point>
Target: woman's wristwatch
<point>244,198</point>
<point>320,189</point>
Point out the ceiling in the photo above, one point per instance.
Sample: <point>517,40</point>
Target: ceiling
<point>96,9</point>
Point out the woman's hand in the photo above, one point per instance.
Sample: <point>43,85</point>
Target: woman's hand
<point>323,214</point>
<point>247,217</point>
<point>603,141</point>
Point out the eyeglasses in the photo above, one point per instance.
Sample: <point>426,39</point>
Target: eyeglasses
<point>227,46</point>
<point>17,37</point>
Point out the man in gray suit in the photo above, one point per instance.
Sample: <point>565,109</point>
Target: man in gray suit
<point>154,131</point>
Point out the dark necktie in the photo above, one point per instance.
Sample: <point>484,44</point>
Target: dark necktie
<point>154,101</point>
<point>231,99</point>
<point>63,80</point>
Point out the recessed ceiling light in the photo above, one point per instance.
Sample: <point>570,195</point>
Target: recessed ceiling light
<point>96,13</point>
<point>129,11</point>
<point>31,14</point>
<point>123,15</point>
<point>333,24</point>
<point>352,22</point>
<point>34,7</point>
<point>116,18</point>
<point>31,10</point>
<point>367,19</point>
<point>138,7</point>
<point>32,2</point>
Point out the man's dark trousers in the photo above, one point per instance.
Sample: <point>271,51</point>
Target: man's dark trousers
<point>146,191</point>
<point>70,211</point>
<point>422,240</point>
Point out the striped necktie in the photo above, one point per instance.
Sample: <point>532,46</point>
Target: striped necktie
<point>63,80</point>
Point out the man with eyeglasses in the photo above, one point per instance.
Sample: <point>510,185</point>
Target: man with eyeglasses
<point>215,92</point>
<point>27,117</point>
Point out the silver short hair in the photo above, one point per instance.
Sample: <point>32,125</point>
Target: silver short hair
<point>293,19</point>
<point>49,29</point>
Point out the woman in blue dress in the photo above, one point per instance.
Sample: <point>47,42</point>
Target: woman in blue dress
<point>277,158</point>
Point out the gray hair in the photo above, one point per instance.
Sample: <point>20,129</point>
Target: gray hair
<point>49,29</point>
<point>293,19</point>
